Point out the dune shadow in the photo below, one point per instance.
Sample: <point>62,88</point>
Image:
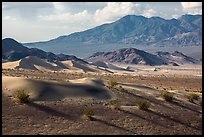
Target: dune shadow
<point>49,110</point>
<point>106,70</point>
<point>172,119</point>
<point>176,102</point>
<point>112,125</point>
<point>142,97</point>
<point>149,120</point>
<point>140,86</point>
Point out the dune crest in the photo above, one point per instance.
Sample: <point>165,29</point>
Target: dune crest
<point>35,63</point>
<point>51,90</point>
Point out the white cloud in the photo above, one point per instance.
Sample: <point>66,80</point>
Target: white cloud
<point>191,4</point>
<point>192,7</point>
<point>175,16</point>
<point>21,5</point>
<point>3,6</point>
<point>27,11</point>
<point>59,7</point>
<point>149,13</point>
<point>114,10</point>
<point>8,18</point>
<point>64,17</point>
<point>109,13</point>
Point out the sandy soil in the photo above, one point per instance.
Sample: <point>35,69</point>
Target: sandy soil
<point>65,115</point>
<point>181,71</point>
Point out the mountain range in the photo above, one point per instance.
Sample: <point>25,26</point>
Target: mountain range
<point>176,58</point>
<point>13,51</point>
<point>135,56</point>
<point>139,30</point>
<point>17,56</point>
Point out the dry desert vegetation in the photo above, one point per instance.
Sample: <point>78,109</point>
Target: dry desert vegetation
<point>145,102</point>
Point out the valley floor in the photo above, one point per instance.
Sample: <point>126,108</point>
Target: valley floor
<point>65,116</point>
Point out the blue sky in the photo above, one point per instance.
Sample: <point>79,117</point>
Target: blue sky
<point>40,21</point>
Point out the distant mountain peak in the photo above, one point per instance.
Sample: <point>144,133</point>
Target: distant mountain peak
<point>130,30</point>
<point>10,41</point>
<point>177,58</point>
<point>190,15</point>
<point>128,56</point>
<point>139,30</point>
<point>134,16</point>
<point>177,53</point>
<point>13,50</point>
<point>136,56</point>
<point>160,53</point>
<point>156,18</point>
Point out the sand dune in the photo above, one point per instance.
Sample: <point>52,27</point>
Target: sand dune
<point>100,64</point>
<point>109,66</point>
<point>78,66</point>
<point>32,62</point>
<point>35,63</point>
<point>10,65</point>
<point>50,91</point>
<point>89,81</point>
<point>114,67</point>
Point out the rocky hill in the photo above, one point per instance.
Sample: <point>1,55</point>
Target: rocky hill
<point>13,51</point>
<point>127,56</point>
<point>177,58</point>
<point>135,56</point>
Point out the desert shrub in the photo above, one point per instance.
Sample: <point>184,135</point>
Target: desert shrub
<point>190,99</point>
<point>115,104</point>
<point>186,89</point>
<point>167,96</point>
<point>120,88</point>
<point>155,69</point>
<point>22,96</point>
<point>143,104</point>
<point>88,112</point>
<point>194,123</point>
<point>112,83</point>
<point>193,97</point>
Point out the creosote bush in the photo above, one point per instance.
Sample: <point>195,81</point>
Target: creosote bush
<point>115,104</point>
<point>22,96</point>
<point>120,88</point>
<point>143,104</point>
<point>112,83</point>
<point>192,97</point>
<point>194,123</point>
<point>88,112</point>
<point>167,96</point>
